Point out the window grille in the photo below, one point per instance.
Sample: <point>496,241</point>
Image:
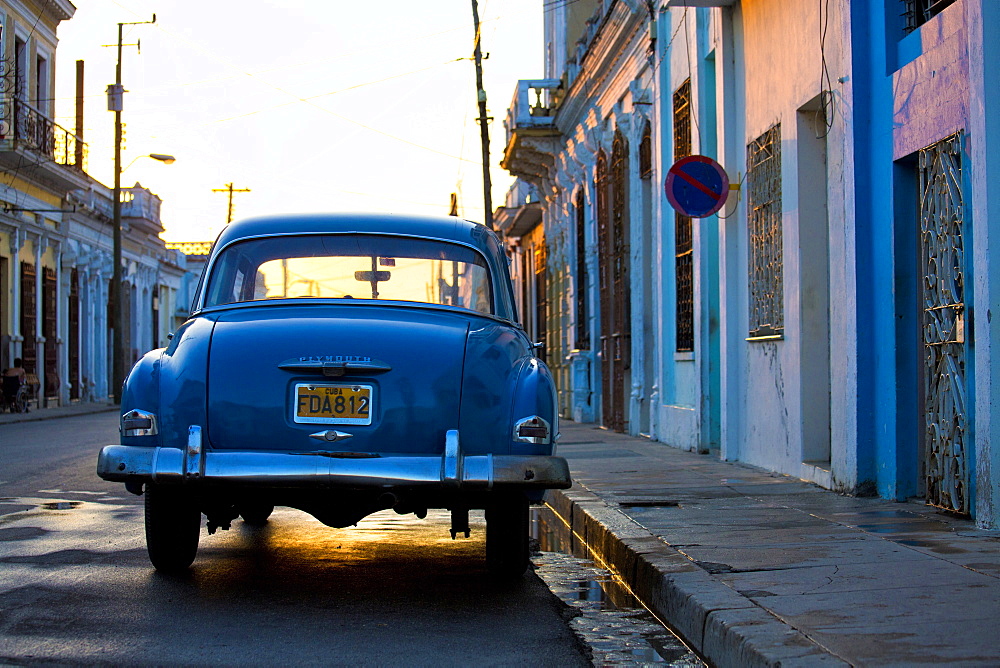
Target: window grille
<point>646,153</point>
<point>683,238</point>
<point>765,249</point>
<point>582,278</point>
<point>918,12</point>
<point>682,121</point>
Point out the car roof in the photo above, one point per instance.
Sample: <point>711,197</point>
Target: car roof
<point>446,228</point>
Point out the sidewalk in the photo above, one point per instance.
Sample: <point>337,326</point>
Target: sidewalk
<point>58,411</point>
<point>755,568</point>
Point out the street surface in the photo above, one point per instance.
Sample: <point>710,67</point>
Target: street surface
<point>76,585</point>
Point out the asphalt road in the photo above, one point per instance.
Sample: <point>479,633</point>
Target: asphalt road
<point>76,585</point>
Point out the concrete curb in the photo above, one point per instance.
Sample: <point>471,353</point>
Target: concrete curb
<point>40,414</point>
<point>724,627</point>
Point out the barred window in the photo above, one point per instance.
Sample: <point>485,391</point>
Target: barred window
<point>683,246</point>
<point>682,121</point>
<point>582,278</point>
<point>765,262</point>
<point>918,12</point>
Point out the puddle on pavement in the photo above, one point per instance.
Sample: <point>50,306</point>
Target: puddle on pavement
<point>62,505</point>
<point>611,621</point>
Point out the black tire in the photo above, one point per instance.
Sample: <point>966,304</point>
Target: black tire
<point>507,536</point>
<point>173,525</point>
<point>255,514</point>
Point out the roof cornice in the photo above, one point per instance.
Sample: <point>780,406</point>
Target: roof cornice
<point>62,10</point>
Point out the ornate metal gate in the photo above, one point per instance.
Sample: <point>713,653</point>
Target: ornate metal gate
<point>942,213</point>
<point>613,249</point>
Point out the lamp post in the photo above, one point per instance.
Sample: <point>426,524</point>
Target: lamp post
<point>115,94</point>
<point>116,298</point>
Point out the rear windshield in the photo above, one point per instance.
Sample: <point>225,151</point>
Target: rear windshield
<point>351,267</point>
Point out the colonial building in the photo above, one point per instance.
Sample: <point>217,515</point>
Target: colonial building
<point>56,232</point>
<point>833,320</point>
<point>40,164</point>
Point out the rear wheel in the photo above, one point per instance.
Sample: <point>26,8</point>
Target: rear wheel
<point>507,536</point>
<point>173,523</point>
<point>255,514</point>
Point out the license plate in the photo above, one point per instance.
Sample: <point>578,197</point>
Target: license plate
<point>327,403</point>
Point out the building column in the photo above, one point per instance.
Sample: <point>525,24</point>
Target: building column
<point>16,243</point>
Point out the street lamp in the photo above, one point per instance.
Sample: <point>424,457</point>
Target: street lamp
<point>162,157</point>
<point>116,298</point>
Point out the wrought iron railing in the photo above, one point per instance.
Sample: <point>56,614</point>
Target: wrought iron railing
<point>28,128</point>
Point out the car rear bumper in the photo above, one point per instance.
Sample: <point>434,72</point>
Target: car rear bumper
<point>124,463</point>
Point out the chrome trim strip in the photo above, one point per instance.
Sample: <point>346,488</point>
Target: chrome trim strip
<point>451,464</point>
<point>194,461</point>
<point>154,464</point>
<point>331,436</point>
<point>335,369</point>
<point>277,469</point>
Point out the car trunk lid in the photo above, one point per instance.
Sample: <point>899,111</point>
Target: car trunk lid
<point>348,379</point>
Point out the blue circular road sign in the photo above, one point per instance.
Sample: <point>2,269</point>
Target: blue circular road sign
<point>697,186</point>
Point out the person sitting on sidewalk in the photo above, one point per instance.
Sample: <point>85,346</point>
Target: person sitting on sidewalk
<point>17,370</point>
<point>13,379</point>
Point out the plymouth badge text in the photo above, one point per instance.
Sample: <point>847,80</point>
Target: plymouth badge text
<point>335,358</point>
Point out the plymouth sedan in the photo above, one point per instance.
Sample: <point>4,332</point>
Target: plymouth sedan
<point>342,365</point>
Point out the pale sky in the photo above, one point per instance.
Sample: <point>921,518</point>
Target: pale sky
<point>312,105</point>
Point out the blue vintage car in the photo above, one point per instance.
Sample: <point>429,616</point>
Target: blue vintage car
<point>342,365</point>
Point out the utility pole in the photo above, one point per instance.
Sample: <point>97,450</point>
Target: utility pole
<point>484,130</point>
<point>115,95</point>
<point>229,189</point>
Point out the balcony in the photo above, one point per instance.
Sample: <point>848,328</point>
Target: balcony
<point>34,146</point>
<point>532,135</point>
<point>141,210</point>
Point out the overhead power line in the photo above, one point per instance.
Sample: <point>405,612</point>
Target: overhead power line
<point>229,189</point>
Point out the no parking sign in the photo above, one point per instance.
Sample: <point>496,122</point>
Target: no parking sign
<point>697,186</point>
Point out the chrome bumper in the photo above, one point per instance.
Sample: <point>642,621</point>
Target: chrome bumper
<point>122,463</point>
